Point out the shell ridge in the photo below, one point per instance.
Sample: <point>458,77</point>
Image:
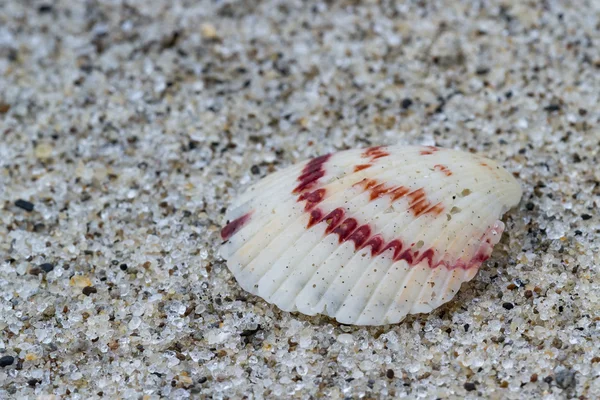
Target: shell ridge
<point>387,279</point>
<point>260,262</point>
<point>256,225</point>
<point>405,297</point>
<point>409,273</point>
<point>335,272</point>
<point>319,259</point>
<point>444,286</point>
<point>261,189</point>
<point>417,298</point>
<point>429,294</point>
<point>298,271</point>
<point>301,215</point>
<point>328,297</point>
<point>345,277</point>
<point>289,257</point>
<point>460,239</point>
<point>278,234</point>
<point>260,203</point>
<point>359,281</point>
<point>270,251</point>
<point>453,282</point>
<point>456,237</point>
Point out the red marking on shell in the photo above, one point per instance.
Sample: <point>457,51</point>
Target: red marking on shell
<point>349,230</point>
<point>308,181</point>
<point>395,244</point>
<point>481,257</point>
<point>443,169</point>
<point>333,219</point>
<point>367,183</point>
<point>399,192</point>
<point>345,228</point>
<point>419,208</point>
<point>409,257</point>
<point>379,191</point>
<point>311,173</point>
<point>416,197</point>
<point>360,167</point>
<point>312,198</point>
<point>316,216</point>
<point>309,176</point>
<point>418,202</point>
<point>360,236</point>
<point>233,226</point>
<point>428,254</point>
<point>488,166</point>
<point>375,242</point>
<point>375,152</point>
<point>436,209</point>
<point>428,150</point>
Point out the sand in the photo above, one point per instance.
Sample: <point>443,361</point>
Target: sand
<point>126,128</point>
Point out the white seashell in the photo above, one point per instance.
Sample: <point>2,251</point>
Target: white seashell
<point>368,236</point>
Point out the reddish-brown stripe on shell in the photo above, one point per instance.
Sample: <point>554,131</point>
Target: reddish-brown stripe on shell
<point>360,167</point>
<point>333,219</point>
<point>379,191</point>
<point>375,242</point>
<point>418,202</point>
<point>428,254</point>
<point>399,192</point>
<point>345,228</point>
<point>233,226</point>
<point>360,235</point>
<point>396,245</point>
<point>312,198</point>
<point>416,196</point>
<point>443,169</point>
<point>375,152</point>
<point>428,150</point>
<point>316,216</point>
<point>372,153</point>
<point>312,172</point>
<point>408,256</point>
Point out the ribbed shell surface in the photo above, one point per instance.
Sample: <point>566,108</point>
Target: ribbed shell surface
<point>368,236</point>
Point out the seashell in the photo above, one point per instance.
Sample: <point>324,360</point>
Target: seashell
<point>368,236</point>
